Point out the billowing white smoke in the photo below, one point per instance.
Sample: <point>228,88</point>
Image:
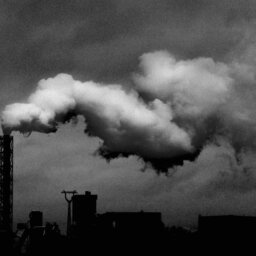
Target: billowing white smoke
<point>192,87</point>
<point>166,118</point>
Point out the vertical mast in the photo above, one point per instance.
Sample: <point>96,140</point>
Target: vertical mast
<point>6,183</point>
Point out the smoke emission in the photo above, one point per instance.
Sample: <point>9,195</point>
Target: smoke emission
<point>173,110</point>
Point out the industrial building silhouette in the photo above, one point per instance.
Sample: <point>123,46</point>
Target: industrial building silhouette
<point>86,221</point>
<point>102,232</point>
<point>225,226</point>
<point>87,227</point>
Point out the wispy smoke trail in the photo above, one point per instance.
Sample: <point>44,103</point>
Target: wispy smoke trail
<point>174,108</point>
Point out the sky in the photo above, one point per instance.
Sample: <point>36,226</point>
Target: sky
<point>195,57</point>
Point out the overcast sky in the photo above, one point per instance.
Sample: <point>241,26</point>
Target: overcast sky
<point>103,41</point>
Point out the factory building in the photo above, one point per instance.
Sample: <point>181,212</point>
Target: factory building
<point>131,222</point>
<point>86,221</point>
<point>227,226</point>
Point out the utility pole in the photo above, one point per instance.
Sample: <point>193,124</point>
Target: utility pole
<point>69,200</point>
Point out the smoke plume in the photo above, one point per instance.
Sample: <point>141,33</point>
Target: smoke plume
<point>174,108</point>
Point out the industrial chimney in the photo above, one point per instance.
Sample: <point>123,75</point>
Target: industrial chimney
<point>6,183</point>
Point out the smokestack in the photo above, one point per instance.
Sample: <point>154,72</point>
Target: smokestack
<point>6,183</point>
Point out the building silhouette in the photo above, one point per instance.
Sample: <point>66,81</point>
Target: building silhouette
<point>226,226</point>
<point>84,209</point>
<point>131,222</point>
<point>106,232</point>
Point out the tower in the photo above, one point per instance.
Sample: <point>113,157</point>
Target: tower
<point>84,209</point>
<point>6,183</point>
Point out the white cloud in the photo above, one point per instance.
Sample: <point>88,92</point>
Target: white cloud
<point>194,87</point>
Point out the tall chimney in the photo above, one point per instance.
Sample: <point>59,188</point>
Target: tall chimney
<point>6,183</point>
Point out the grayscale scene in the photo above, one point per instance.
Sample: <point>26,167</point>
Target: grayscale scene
<point>127,126</point>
